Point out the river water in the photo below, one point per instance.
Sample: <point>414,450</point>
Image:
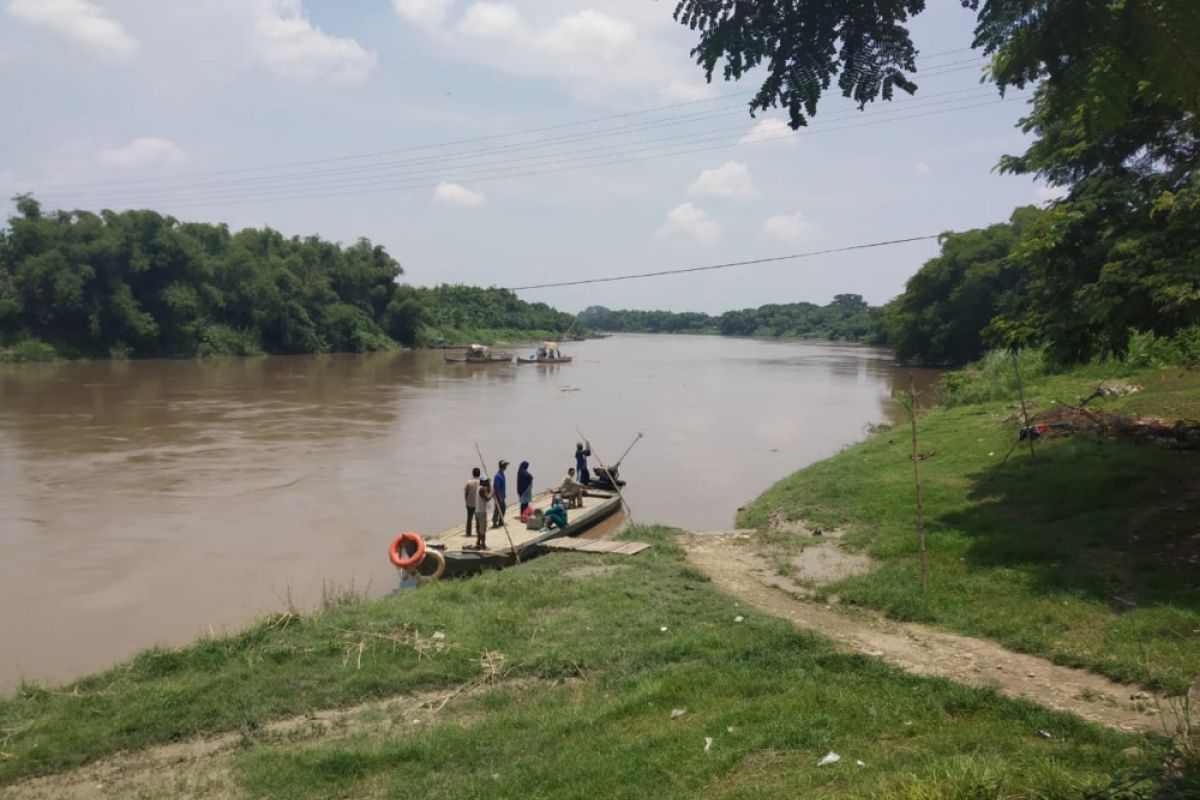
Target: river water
<point>151,501</point>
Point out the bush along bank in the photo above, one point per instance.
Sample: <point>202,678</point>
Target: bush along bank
<point>572,676</point>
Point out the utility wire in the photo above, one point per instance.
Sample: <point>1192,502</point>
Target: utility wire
<point>383,172</point>
<point>935,70</point>
<point>727,265</point>
<point>165,187</point>
<point>505,169</point>
<point>502,173</point>
<point>166,184</point>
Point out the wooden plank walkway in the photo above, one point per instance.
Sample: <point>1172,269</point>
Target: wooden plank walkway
<point>597,546</point>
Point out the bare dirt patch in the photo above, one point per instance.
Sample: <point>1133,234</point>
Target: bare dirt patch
<point>736,570</point>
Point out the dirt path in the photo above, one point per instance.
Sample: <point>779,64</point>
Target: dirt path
<point>203,767</point>
<point>735,569</point>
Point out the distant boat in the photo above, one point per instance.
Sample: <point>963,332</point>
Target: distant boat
<point>547,353</point>
<point>480,354</point>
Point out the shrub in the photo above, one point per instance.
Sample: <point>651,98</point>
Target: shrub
<point>29,350</point>
<point>215,339</point>
<point>993,377</point>
<point>1151,350</point>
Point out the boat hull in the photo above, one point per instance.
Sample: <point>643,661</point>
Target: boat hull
<point>482,361</point>
<point>461,562</point>
<point>565,360</point>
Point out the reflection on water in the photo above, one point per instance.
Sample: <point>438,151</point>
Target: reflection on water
<point>148,501</point>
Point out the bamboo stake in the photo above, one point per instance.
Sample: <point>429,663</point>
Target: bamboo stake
<point>616,485</point>
<point>1024,410</point>
<point>916,459</point>
<point>503,521</point>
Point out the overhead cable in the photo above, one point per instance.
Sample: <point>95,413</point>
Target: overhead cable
<point>727,265</point>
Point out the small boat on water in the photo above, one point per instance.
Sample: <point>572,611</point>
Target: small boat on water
<point>480,354</point>
<point>547,353</point>
<point>457,550</point>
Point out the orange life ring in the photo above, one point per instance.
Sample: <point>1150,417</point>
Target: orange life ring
<point>394,552</point>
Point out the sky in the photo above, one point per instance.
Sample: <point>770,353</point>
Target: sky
<point>502,143</point>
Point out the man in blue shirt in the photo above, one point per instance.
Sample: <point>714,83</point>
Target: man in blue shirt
<point>500,495</point>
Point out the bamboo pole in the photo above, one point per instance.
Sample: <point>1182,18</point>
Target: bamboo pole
<point>503,521</point>
<point>1024,410</point>
<point>616,485</point>
<point>916,459</point>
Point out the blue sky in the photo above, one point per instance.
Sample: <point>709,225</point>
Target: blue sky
<point>137,103</point>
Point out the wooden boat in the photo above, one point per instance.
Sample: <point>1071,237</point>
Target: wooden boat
<point>547,353</point>
<point>480,354</point>
<point>460,560</point>
<point>546,360</point>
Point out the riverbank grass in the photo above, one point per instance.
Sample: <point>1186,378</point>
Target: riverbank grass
<point>1086,553</point>
<point>581,673</point>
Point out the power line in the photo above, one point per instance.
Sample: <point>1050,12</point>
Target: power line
<point>380,172</point>
<point>476,139</point>
<point>727,265</point>
<point>504,169</point>
<point>165,187</point>
<point>501,173</point>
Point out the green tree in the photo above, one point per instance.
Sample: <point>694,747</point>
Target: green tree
<point>946,307</point>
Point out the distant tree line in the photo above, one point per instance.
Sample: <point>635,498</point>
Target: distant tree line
<point>847,318</point>
<point>141,284</point>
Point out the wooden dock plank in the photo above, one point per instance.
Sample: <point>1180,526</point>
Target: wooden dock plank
<point>601,546</point>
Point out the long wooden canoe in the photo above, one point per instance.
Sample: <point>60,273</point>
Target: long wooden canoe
<point>536,360</point>
<point>498,358</point>
<point>452,543</point>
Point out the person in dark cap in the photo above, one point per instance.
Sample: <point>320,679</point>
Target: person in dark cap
<point>499,495</point>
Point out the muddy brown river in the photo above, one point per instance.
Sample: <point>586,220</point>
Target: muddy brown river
<point>152,501</point>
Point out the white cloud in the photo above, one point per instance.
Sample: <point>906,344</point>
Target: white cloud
<point>770,129</point>
<point>731,179</point>
<point>634,56</point>
<point>587,34</point>
<point>790,228</point>
<point>423,13</point>
<point>145,152</point>
<point>454,194</point>
<point>492,20</point>
<point>1046,194</point>
<point>687,220</point>
<point>81,21</point>
<point>921,168</point>
<point>289,44</point>
<point>584,34</point>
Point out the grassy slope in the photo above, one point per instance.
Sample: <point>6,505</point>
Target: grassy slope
<point>787,696</point>
<point>1034,557</point>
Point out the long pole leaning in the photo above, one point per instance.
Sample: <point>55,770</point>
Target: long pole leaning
<point>616,485</point>
<point>1024,409</point>
<point>503,521</point>
<point>916,460</point>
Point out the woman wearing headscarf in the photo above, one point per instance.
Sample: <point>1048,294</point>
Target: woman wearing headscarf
<point>524,486</point>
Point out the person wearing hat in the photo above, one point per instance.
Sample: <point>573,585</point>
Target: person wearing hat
<point>499,495</point>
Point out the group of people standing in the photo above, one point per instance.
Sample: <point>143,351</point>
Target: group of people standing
<point>482,494</point>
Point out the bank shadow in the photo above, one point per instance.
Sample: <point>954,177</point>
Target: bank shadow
<point>1113,522</point>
